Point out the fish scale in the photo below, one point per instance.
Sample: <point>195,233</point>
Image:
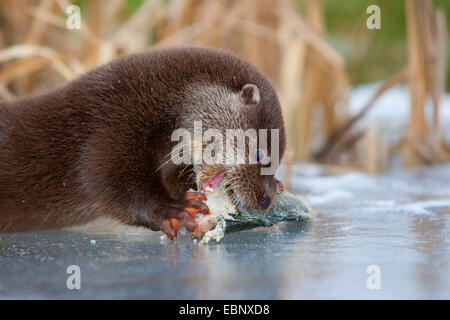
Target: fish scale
<point>228,217</point>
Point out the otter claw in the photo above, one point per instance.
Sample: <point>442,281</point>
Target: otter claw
<point>193,211</point>
<point>195,196</point>
<point>175,225</point>
<point>194,203</point>
<point>184,213</point>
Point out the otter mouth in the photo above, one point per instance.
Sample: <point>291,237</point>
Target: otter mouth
<point>218,182</point>
<point>211,184</point>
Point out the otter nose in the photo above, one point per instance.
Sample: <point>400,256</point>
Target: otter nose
<point>265,201</point>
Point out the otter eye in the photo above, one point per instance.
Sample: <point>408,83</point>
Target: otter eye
<point>259,155</point>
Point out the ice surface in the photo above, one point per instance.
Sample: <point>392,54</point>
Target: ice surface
<point>393,221</point>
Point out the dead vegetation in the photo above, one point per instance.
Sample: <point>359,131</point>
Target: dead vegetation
<point>38,52</point>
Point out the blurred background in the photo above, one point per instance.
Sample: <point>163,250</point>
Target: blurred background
<point>362,107</point>
<point>354,98</point>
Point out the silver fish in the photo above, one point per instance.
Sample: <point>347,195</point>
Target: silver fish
<point>227,216</point>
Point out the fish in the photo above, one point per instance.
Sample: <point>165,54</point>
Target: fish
<point>230,216</point>
<point>226,215</point>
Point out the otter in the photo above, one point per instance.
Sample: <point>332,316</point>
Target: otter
<point>101,144</point>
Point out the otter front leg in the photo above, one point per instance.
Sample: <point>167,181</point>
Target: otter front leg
<point>125,175</point>
<point>170,216</point>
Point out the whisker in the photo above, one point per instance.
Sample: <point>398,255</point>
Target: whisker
<point>171,158</point>
<point>185,167</point>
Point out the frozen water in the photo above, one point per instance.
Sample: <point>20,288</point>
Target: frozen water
<point>395,221</point>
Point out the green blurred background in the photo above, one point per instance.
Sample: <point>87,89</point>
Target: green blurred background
<point>371,55</point>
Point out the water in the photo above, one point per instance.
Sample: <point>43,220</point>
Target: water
<point>395,222</point>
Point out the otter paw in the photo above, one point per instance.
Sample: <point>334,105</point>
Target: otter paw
<point>182,214</point>
<point>174,219</point>
<point>195,195</point>
<point>193,203</point>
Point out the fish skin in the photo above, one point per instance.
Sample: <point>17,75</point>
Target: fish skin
<point>286,207</point>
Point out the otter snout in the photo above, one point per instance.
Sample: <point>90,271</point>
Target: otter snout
<point>266,200</point>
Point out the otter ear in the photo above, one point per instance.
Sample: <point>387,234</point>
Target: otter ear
<point>250,94</point>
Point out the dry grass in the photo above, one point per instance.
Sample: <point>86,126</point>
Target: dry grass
<point>38,52</point>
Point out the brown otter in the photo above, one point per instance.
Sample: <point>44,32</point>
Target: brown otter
<point>99,145</point>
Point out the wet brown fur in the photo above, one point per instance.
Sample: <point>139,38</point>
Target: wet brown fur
<point>93,147</point>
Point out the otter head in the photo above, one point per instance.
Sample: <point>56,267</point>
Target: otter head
<point>242,144</point>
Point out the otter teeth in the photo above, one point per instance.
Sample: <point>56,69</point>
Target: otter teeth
<point>211,184</point>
